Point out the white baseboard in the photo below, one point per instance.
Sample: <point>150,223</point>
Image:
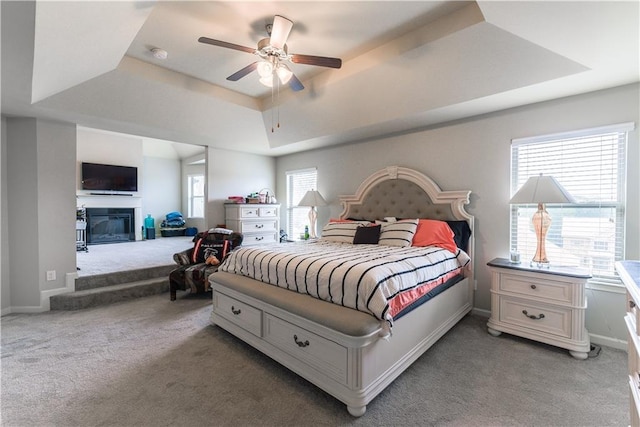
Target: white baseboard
<point>45,305</point>
<point>608,341</point>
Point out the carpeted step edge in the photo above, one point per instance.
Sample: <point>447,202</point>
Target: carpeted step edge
<point>109,279</point>
<point>109,294</point>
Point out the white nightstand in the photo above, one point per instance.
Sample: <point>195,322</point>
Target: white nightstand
<point>542,304</point>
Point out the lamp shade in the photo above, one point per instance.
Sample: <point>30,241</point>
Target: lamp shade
<point>541,189</point>
<point>312,198</point>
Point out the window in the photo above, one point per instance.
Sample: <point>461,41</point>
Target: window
<point>591,166</point>
<point>195,195</point>
<point>298,183</point>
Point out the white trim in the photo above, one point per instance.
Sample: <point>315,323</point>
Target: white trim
<point>608,341</point>
<point>303,170</point>
<point>620,127</point>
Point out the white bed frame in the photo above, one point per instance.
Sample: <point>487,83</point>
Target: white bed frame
<point>355,369</point>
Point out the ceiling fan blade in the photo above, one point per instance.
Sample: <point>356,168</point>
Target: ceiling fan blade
<point>280,31</point>
<point>243,72</point>
<point>295,84</point>
<point>321,61</point>
<point>228,45</point>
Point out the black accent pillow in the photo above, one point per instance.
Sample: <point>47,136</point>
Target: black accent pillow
<point>462,233</point>
<point>367,235</point>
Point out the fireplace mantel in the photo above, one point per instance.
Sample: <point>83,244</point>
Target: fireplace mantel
<point>114,201</point>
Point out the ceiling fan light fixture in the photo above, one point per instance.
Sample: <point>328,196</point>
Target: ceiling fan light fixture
<point>265,69</point>
<point>267,80</point>
<point>284,73</point>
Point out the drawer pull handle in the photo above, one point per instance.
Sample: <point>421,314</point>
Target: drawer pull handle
<point>632,304</point>
<point>259,237</point>
<point>531,316</point>
<point>533,286</point>
<point>259,225</point>
<point>234,311</point>
<point>300,343</point>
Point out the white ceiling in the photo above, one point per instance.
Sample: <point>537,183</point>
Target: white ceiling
<point>406,65</point>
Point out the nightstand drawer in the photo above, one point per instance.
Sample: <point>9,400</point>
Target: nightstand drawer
<point>547,319</point>
<point>553,291</point>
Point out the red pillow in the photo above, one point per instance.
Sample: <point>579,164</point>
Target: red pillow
<point>431,232</point>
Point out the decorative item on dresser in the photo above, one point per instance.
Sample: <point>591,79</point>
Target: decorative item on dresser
<point>546,305</point>
<point>259,223</point>
<point>629,272</point>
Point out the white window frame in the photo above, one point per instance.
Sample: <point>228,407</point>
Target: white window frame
<point>192,199</point>
<point>571,157</point>
<point>299,181</point>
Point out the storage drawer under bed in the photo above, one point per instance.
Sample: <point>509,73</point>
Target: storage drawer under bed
<point>326,356</point>
<point>243,315</point>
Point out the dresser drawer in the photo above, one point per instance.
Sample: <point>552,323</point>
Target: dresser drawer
<point>249,213</point>
<point>324,355</point>
<point>243,315</point>
<point>544,318</point>
<point>259,239</point>
<point>270,212</point>
<point>550,290</point>
<point>257,226</point>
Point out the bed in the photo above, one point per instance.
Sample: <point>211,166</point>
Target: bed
<point>351,352</point>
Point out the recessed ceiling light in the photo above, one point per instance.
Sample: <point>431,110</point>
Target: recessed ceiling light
<point>159,53</point>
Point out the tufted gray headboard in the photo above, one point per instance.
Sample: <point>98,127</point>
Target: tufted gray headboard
<point>401,199</point>
<point>400,192</point>
<point>404,193</point>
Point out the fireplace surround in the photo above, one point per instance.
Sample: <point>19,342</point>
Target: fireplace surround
<point>132,203</point>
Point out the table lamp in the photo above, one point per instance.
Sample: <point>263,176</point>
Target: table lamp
<point>312,199</point>
<point>541,189</point>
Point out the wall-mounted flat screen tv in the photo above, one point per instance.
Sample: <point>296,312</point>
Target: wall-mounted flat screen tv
<point>99,177</point>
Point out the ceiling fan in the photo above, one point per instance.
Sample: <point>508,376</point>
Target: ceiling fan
<point>274,54</point>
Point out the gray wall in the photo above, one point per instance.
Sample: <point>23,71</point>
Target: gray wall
<point>231,173</point>
<point>474,154</point>
<point>161,192</point>
<point>40,210</point>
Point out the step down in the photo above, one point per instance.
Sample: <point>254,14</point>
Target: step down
<point>109,294</point>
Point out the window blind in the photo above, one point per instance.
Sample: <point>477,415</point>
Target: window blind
<point>591,165</point>
<point>298,183</point>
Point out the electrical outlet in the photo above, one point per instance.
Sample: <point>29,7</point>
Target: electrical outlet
<point>51,275</point>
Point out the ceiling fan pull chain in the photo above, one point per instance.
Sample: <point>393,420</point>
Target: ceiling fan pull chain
<point>272,106</point>
<point>278,101</point>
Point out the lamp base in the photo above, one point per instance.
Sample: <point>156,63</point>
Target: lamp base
<point>540,264</point>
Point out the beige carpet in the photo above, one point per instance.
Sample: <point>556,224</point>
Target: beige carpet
<point>108,258</point>
<point>152,362</point>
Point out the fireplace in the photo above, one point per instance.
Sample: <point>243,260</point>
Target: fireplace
<point>110,225</point>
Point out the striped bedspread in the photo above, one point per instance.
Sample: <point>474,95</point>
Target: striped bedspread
<point>369,278</point>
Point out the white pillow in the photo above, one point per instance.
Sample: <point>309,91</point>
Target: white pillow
<point>340,231</point>
<point>399,233</point>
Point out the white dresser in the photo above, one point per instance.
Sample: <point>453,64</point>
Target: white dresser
<point>542,304</point>
<point>259,223</point>
<point>629,272</point>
